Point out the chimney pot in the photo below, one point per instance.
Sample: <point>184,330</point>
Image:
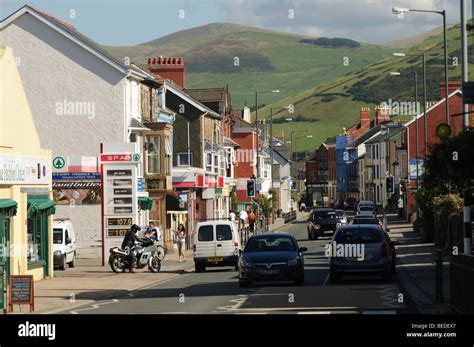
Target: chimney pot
<point>149,61</point>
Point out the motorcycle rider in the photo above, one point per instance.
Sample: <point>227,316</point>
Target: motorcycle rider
<point>128,243</point>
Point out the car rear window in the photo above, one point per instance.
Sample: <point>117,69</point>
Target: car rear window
<point>205,233</point>
<point>366,208</point>
<point>223,233</point>
<point>365,221</point>
<point>58,236</point>
<point>358,235</point>
<point>270,244</point>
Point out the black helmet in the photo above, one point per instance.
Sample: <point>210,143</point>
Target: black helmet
<point>135,228</point>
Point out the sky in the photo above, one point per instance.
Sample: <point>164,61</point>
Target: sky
<point>122,22</point>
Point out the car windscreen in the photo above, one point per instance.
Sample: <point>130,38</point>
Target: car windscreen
<point>205,233</point>
<point>366,208</point>
<point>358,235</point>
<point>324,215</point>
<point>223,232</point>
<point>58,236</point>
<point>270,244</point>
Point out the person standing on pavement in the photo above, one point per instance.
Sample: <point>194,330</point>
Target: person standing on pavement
<point>251,218</point>
<point>242,219</point>
<point>232,216</point>
<point>400,207</point>
<point>181,239</point>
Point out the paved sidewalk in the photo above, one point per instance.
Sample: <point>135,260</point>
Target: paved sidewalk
<point>89,282</point>
<point>280,222</point>
<point>416,268</point>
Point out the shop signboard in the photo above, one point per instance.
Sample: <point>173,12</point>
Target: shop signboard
<point>24,170</point>
<point>120,192</point>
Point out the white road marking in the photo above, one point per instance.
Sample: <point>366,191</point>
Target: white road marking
<point>315,312</point>
<point>95,306</point>
<point>326,281</point>
<point>379,312</point>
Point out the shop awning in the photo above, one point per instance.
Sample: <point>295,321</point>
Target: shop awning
<point>7,204</point>
<point>35,205</point>
<point>145,202</point>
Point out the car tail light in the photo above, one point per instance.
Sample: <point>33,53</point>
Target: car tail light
<point>194,248</point>
<point>384,250</point>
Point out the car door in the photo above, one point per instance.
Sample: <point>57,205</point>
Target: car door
<point>69,250</point>
<point>224,241</point>
<point>205,243</point>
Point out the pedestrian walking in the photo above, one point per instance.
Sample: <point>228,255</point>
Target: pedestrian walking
<point>400,207</point>
<point>181,239</point>
<point>243,216</point>
<point>232,216</point>
<point>302,207</point>
<point>251,218</point>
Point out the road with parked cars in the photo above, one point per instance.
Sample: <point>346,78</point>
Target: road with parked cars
<point>309,288</point>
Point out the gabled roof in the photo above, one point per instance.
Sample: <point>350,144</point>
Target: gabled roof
<point>178,91</point>
<point>229,142</point>
<point>457,91</point>
<point>70,32</point>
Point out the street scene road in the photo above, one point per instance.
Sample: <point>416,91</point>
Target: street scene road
<point>217,291</point>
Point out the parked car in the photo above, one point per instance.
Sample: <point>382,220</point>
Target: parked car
<point>216,243</point>
<point>341,215</point>
<point>64,244</point>
<point>321,220</point>
<point>271,257</point>
<point>379,252</point>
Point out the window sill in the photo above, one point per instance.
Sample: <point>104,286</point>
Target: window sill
<point>36,265</point>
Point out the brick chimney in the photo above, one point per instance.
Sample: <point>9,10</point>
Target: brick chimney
<point>168,68</point>
<point>382,114</point>
<point>452,86</point>
<point>365,118</point>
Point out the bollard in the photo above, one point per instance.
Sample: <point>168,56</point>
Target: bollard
<point>439,276</point>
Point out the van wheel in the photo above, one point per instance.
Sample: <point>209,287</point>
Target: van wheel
<point>199,268</point>
<point>72,263</point>
<point>62,266</point>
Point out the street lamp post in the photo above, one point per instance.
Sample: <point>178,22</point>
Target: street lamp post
<point>400,10</point>
<point>256,124</point>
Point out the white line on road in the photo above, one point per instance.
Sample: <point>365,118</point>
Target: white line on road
<point>379,312</point>
<point>326,281</point>
<point>95,306</point>
<point>316,312</point>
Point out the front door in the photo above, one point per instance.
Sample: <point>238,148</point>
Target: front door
<point>4,258</point>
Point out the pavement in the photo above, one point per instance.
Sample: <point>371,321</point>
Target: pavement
<point>90,282</point>
<point>416,268</point>
<point>91,288</point>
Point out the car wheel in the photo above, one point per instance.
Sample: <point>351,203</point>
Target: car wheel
<point>62,265</point>
<point>387,275</point>
<point>72,263</point>
<point>335,276</point>
<point>244,284</point>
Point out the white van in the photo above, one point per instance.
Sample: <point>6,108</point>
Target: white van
<point>64,243</point>
<point>216,243</point>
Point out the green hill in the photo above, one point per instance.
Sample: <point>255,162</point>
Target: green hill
<point>250,59</point>
<point>336,104</point>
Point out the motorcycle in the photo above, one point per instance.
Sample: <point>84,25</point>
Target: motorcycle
<point>146,254</point>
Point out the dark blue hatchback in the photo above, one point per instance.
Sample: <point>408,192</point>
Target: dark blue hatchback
<point>271,257</point>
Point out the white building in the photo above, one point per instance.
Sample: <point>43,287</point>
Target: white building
<point>79,97</point>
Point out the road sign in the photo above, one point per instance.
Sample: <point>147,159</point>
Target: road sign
<point>59,162</point>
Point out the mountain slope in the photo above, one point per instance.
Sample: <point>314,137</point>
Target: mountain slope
<point>250,59</point>
<point>336,104</point>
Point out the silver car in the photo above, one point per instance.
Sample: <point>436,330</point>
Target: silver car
<point>361,248</point>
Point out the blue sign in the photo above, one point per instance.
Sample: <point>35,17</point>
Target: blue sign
<point>141,184</point>
<point>258,187</point>
<point>76,176</point>
<point>413,168</point>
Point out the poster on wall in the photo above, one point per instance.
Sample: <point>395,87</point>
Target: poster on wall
<point>77,193</point>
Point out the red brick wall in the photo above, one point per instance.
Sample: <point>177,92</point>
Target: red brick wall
<point>434,118</point>
<point>332,163</point>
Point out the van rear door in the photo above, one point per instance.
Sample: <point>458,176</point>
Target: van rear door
<point>205,242</point>
<point>224,241</point>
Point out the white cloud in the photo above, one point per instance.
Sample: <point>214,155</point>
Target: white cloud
<point>363,20</point>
